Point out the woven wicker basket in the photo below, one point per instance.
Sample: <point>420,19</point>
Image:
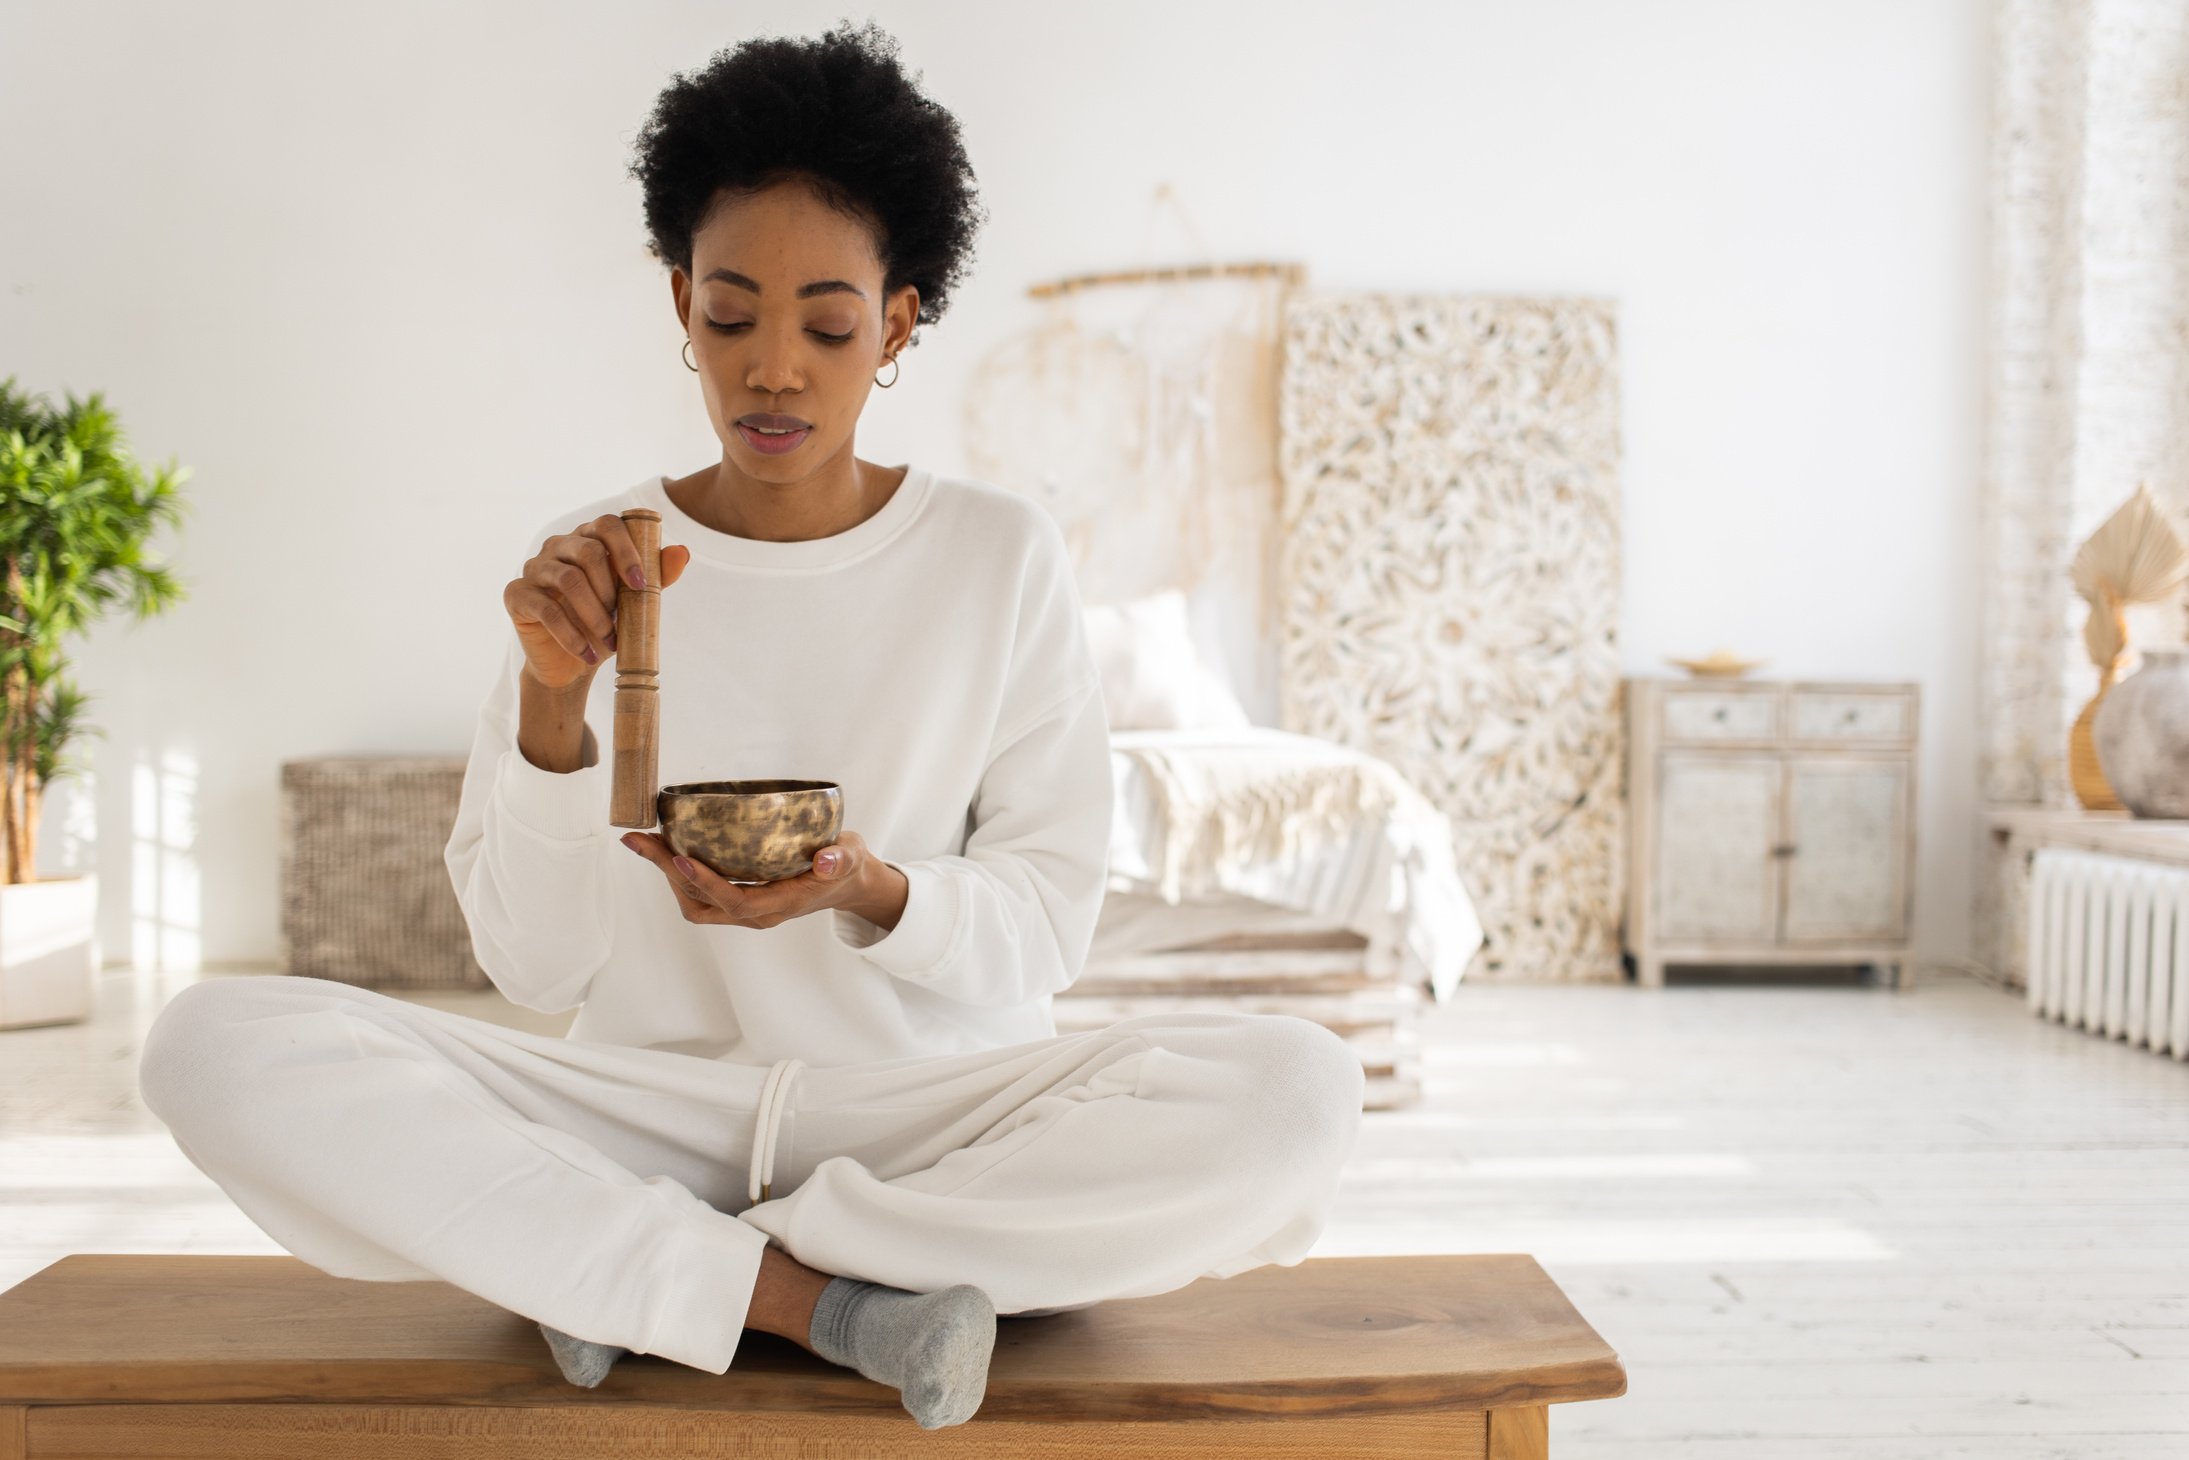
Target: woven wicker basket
<point>365,895</point>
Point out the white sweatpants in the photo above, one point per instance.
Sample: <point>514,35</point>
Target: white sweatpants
<point>604,1190</point>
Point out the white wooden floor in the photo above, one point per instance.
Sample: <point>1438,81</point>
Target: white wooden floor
<point>1817,1219</point>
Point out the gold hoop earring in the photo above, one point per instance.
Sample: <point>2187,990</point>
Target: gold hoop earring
<point>892,379</point>
<point>685,354</point>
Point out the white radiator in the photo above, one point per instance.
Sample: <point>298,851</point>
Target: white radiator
<point>2109,946</point>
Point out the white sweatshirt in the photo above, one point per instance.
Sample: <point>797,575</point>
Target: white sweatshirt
<point>933,662</point>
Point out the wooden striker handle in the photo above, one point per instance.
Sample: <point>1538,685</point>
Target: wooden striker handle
<point>638,680</point>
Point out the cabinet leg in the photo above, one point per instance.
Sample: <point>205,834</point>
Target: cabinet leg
<point>1650,972</point>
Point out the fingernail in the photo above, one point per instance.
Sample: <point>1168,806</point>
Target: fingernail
<point>588,655</point>
<point>634,577</point>
<point>610,641</point>
<point>684,865</point>
<point>631,841</point>
<point>826,861</point>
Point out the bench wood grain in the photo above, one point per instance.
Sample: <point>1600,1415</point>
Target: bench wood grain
<point>142,1354</point>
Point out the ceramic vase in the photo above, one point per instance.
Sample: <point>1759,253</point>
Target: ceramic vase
<point>2141,732</point>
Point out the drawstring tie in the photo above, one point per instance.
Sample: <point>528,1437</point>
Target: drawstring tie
<point>774,1095</point>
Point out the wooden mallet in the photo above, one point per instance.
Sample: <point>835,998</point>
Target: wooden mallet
<point>632,793</point>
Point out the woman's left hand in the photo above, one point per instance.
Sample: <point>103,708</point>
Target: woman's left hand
<point>834,881</point>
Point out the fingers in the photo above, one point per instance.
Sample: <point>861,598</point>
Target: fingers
<point>526,600</point>
<point>705,896</point>
<point>568,592</point>
<point>614,536</point>
<point>582,572</point>
<point>564,583</point>
<point>694,906</point>
<point>589,556</point>
<point>699,890</point>
<point>717,889</point>
<point>605,550</point>
<point>841,858</point>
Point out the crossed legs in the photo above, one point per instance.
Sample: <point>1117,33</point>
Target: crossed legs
<point>601,1189</point>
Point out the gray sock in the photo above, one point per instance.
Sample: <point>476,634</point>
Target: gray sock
<point>932,1348</point>
<point>582,1361</point>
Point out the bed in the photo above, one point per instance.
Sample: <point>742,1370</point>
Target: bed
<point>1260,870</point>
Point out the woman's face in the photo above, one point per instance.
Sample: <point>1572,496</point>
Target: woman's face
<point>786,315</point>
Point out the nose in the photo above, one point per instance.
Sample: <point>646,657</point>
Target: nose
<point>773,366</point>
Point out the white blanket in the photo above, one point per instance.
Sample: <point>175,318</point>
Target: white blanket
<point>1298,822</point>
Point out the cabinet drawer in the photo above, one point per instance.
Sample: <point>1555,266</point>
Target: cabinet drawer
<point>1870,717</point>
<point>1714,715</point>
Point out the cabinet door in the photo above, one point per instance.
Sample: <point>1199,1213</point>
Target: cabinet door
<point>1847,875</point>
<point>1717,816</point>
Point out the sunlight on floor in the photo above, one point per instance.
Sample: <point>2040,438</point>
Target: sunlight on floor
<point>1791,1210</point>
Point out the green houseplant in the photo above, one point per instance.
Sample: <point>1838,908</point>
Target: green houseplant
<point>77,513</point>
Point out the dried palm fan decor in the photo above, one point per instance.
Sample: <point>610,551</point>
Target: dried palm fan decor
<point>2135,556</point>
<point>1451,589</point>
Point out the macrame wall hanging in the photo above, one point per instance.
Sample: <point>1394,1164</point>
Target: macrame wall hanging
<point>1451,590</point>
<point>1140,409</point>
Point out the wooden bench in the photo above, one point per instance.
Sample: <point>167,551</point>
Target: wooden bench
<point>224,1356</point>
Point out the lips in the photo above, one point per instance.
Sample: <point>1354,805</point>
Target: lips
<point>773,445</point>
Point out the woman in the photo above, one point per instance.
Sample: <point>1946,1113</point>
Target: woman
<point>832,1107</point>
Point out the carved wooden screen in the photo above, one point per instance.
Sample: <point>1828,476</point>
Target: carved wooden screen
<point>1451,589</point>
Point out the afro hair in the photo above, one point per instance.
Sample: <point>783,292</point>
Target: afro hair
<point>837,112</point>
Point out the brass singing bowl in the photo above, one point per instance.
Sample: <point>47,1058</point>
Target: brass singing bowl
<point>751,831</point>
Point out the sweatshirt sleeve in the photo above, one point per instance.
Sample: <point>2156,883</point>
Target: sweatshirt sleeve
<point>1010,919</point>
<point>526,857</point>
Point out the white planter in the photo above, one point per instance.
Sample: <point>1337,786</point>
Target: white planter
<point>49,950</point>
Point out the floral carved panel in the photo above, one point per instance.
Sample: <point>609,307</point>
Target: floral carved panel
<point>1450,589</point>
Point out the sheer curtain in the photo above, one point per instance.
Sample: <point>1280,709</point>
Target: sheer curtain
<point>2089,373</point>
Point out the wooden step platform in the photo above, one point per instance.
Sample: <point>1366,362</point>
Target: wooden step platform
<point>147,1355</point>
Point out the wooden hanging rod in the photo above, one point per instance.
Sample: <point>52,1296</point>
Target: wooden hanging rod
<point>1290,273</point>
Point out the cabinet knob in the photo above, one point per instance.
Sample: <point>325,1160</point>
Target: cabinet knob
<point>1721,713</point>
<point>1786,850</point>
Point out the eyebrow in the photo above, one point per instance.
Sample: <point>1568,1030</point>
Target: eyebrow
<point>805,291</point>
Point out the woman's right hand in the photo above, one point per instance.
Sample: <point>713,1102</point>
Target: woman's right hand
<point>563,604</point>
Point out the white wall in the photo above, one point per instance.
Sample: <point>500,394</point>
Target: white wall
<point>377,275</point>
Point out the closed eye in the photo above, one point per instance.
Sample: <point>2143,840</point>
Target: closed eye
<point>817,334</point>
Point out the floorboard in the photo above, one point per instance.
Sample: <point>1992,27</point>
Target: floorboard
<point>1818,1220</point>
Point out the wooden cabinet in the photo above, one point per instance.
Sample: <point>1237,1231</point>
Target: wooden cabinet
<point>1770,823</point>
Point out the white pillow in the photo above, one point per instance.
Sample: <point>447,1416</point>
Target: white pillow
<point>1152,677</point>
